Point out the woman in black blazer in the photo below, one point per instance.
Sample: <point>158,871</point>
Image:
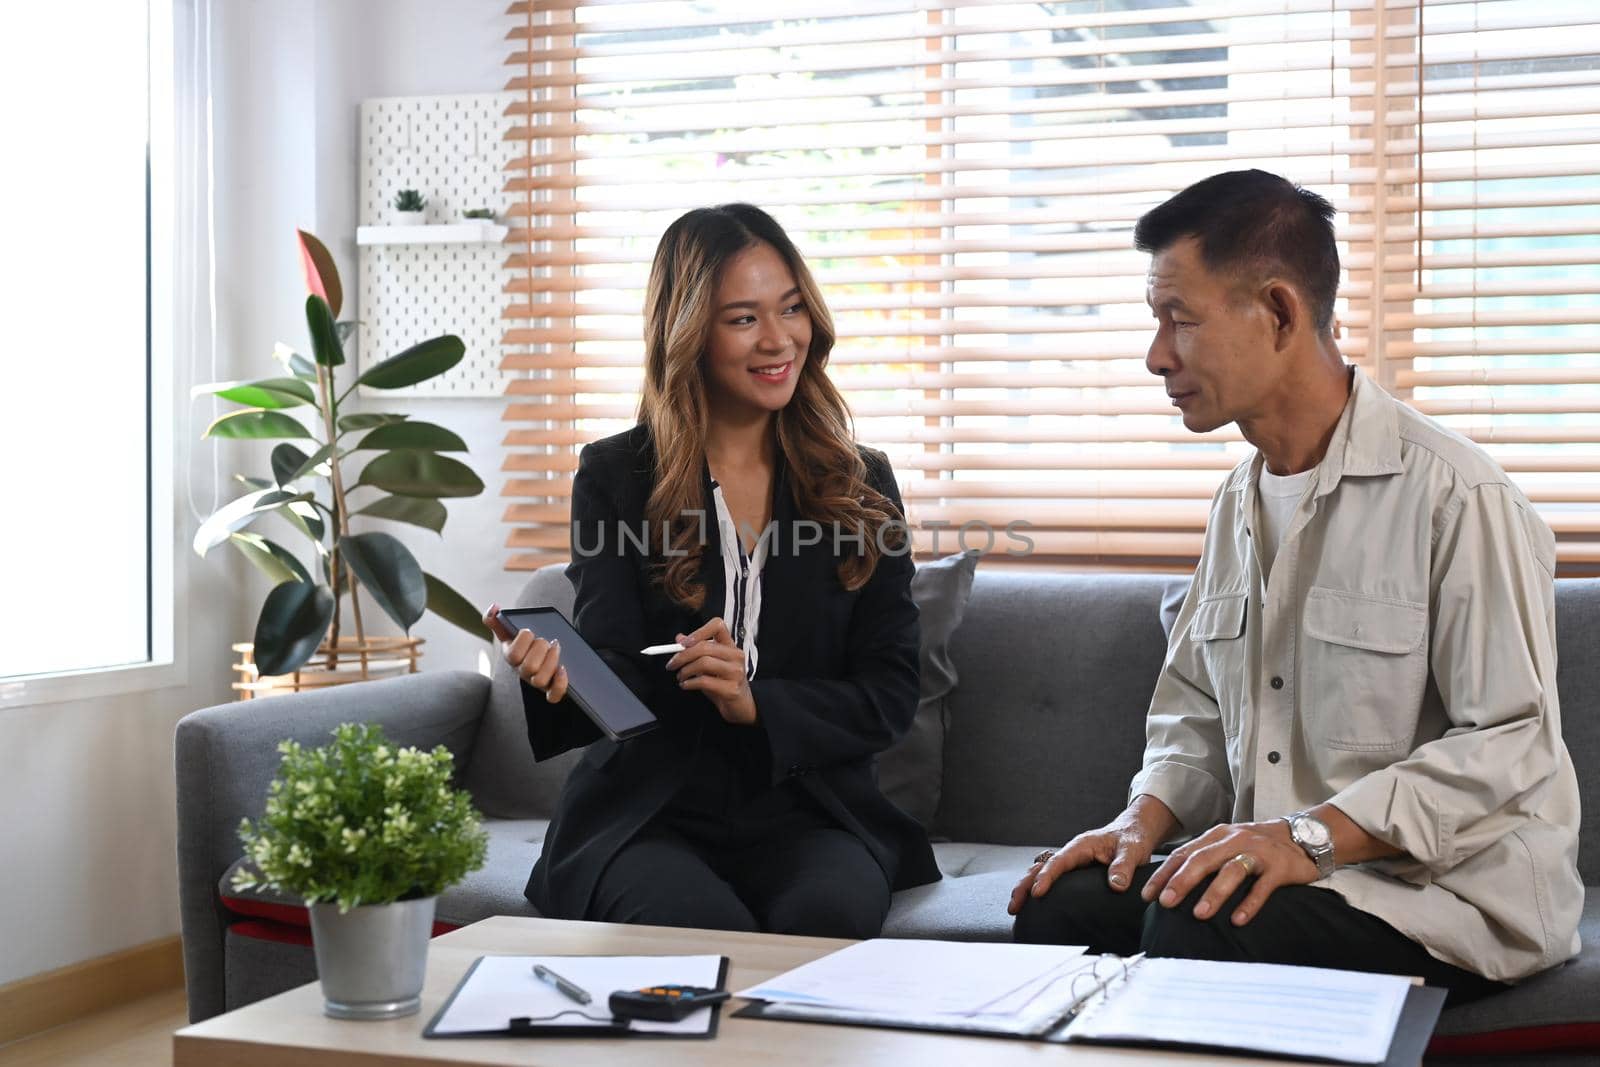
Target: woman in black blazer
<point>741,520</point>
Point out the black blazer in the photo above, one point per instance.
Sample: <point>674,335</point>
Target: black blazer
<point>837,681</point>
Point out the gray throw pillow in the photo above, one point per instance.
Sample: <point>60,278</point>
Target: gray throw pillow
<point>911,774</point>
<point>1172,603</point>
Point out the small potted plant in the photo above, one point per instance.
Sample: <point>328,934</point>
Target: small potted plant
<point>369,835</point>
<point>479,214</point>
<point>408,205</point>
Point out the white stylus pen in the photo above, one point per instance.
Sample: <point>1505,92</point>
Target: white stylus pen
<point>661,650</point>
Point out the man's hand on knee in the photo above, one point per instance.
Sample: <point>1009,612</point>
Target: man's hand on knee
<point>1234,853</point>
<point>1121,845</point>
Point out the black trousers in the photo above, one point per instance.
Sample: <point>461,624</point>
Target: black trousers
<point>810,879</point>
<point>1300,925</point>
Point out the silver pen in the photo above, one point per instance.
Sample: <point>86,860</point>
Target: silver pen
<point>568,989</point>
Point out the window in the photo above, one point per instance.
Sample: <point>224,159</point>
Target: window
<point>77,434</point>
<point>963,176</point>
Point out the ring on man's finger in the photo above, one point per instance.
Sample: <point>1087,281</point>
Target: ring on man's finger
<point>1247,861</point>
<point>1044,855</point>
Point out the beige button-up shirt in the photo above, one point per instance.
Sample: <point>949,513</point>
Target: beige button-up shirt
<point>1400,663</point>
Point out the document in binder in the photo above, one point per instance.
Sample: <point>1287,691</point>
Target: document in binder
<point>1296,1012</point>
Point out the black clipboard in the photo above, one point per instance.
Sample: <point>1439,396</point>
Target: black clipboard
<point>517,1027</point>
<point>1412,1031</point>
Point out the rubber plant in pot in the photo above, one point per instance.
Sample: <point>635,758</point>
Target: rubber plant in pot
<point>368,835</point>
<point>401,473</point>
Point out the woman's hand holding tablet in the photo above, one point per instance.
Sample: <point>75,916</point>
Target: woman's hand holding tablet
<point>545,647</point>
<point>537,661</point>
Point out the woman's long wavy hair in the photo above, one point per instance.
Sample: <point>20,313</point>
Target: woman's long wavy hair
<point>826,474</point>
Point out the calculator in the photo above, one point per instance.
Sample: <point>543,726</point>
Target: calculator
<point>664,1003</point>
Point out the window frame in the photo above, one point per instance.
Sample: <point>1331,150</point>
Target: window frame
<point>166,664</point>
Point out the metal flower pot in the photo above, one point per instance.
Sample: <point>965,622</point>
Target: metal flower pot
<point>372,959</point>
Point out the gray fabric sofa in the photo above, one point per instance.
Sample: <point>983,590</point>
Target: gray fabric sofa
<point>1043,730</point>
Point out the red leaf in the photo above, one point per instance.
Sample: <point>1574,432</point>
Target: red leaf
<point>322,277</point>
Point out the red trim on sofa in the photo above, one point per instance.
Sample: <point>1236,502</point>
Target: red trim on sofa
<point>1562,1037</point>
<point>287,914</point>
<point>291,915</point>
<point>263,931</point>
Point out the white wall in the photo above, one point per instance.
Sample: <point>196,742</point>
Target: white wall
<point>87,829</point>
<point>372,48</point>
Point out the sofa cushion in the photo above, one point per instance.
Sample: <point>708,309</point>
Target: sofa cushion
<point>971,908</point>
<point>1559,1009</point>
<point>1578,683</point>
<point>910,772</point>
<point>1046,728</point>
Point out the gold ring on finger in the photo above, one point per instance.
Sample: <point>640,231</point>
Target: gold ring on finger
<point>1247,861</point>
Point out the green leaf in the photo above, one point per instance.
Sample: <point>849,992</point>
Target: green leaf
<point>265,393</point>
<point>418,511</point>
<point>255,424</point>
<point>270,558</point>
<point>412,434</point>
<point>426,474</point>
<point>312,462</point>
<point>298,365</point>
<point>391,574</point>
<point>365,421</point>
<point>418,363</point>
<point>286,460</point>
<point>305,518</point>
<point>454,608</point>
<point>253,483</point>
<point>236,514</point>
<point>322,277</point>
<point>347,329</point>
<point>324,334</point>
<point>293,620</point>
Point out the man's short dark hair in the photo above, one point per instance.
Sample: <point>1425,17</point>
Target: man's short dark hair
<point>1252,224</point>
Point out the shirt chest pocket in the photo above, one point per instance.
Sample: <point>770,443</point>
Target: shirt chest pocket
<point>1217,632</point>
<point>1364,668</point>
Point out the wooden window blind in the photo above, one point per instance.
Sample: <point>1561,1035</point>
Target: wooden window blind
<point>963,177</point>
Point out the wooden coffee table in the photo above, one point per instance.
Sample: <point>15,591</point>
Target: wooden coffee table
<point>289,1030</point>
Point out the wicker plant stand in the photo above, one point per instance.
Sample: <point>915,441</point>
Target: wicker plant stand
<point>353,661</point>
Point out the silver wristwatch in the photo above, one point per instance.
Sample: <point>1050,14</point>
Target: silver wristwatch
<point>1311,834</point>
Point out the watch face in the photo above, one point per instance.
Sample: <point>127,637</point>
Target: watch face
<point>1311,832</point>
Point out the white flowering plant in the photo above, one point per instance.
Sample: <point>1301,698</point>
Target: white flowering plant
<point>361,821</point>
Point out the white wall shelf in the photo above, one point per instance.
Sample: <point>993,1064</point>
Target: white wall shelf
<point>470,232</point>
<point>450,276</point>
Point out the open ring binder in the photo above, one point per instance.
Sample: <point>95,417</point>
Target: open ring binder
<point>1293,1012</point>
<point>1097,980</point>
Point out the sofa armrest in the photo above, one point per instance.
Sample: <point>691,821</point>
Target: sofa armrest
<point>226,756</point>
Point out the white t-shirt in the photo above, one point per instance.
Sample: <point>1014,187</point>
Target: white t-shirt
<point>1280,495</point>
<point>741,605</point>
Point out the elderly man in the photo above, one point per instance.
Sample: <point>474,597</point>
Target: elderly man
<point>1355,734</point>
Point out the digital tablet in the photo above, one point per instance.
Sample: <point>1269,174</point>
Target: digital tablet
<point>591,684</point>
